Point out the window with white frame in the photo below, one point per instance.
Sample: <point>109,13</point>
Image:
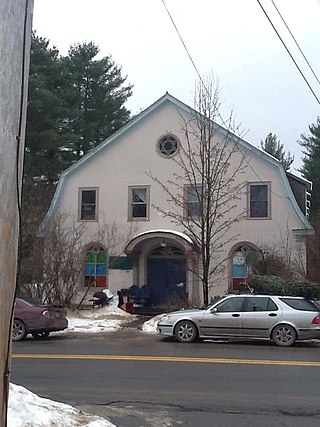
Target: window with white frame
<point>193,200</point>
<point>259,200</point>
<point>88,204</point>
<point>139,203</point>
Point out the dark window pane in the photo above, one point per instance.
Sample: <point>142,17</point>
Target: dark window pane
<point>139,202</point>
<point>88,205</point>
<point>259,201</point>
<point>258,209</point>
<point>88,212</point>
<point>261,304</point>
<point>300,304</point>
<point>139,195</point>
<point>193,201</point>
<point>139,211</point>
<point>88,196</point>
<point>231,304</point>
<point>259,192</point>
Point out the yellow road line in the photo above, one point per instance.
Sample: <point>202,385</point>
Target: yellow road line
<point>167,359</point>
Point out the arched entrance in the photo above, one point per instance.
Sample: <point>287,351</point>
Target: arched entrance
<point>166,274</point>
<point>165,261</point>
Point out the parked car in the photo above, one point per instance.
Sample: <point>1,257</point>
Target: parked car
<point>284,319</point>
<point>31,317</point>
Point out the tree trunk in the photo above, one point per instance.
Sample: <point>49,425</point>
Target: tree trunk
<point>15,40</point>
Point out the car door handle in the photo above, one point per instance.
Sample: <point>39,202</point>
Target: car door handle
<point>236,315</point>
<point>272,314</point>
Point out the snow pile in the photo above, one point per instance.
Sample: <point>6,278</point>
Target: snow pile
<point>26,409</point>
<point>106,319</point>
<point>150,326</point>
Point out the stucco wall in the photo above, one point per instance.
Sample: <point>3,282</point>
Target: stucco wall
<point>129,161</point>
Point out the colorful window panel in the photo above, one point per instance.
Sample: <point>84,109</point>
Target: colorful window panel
<point>96,272</point>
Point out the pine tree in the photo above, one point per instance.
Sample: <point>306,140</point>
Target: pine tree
<point>311,165</point>
<point>96,95</point>
<point>74,103</point>
<point>273,146</point>
<point>46,112</point>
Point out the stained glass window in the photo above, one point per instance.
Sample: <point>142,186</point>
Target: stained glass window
<point>96,267</point>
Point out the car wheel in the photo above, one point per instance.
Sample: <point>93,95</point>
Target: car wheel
<point>19,330</point>
<point>40,335</point>
<point>284,335</point>
<point>186,331</point>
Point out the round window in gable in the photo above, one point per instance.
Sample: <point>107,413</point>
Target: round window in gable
<point>168,145</point>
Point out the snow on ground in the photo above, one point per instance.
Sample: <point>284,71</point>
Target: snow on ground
<point>26,409</point>
<point>150,326</point>
<point>96,320</point>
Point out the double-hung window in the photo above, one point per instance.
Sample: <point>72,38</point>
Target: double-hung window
<point>139,203</point>
<point>193,205</point>
<point>259,200</point>
<point>88,204</point>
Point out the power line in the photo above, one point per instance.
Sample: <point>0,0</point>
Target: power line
<point>183,43</point>
<point>297,44</point>
<point>206,89</point>
<point>292,58</point>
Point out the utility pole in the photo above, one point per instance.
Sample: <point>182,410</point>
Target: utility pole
<point>15,40</point>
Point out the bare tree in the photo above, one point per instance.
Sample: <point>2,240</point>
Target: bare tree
<point>115,238</point>
<point>57,263</point>
<point>204,190</point>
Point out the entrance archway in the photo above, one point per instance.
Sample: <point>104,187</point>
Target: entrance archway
<point>166,274</point>
<point>167,262</point>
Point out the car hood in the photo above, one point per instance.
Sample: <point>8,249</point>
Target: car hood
<point>186,312</point>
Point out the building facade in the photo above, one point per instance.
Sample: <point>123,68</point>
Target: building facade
<point>117,190</point>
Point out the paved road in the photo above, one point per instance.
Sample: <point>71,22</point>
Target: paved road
<point>139,380</point>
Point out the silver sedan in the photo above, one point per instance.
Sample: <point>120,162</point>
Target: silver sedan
<point>284,319</point>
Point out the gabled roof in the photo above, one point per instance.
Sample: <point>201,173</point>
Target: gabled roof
<point>183,108</point>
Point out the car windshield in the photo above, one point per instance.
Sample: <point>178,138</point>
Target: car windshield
<point>212,303</point>
<point>300,304</point>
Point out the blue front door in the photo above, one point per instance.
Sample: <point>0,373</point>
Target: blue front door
<point>166,278</point>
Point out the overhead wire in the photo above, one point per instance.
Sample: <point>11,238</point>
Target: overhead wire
<point>206,89</point>
<point>291,56</point>
<point>297,44</point>
<point>183,43</point>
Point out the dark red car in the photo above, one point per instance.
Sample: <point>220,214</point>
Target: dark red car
<point>31,317</point>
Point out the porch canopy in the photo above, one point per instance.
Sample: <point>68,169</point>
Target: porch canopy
<point>181,239</point>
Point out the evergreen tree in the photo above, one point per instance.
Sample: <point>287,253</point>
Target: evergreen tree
<point>74,103</point>
<point>311,165</point>
<point>96,95</point>
<point>273,146</point>
<point>45,114</point>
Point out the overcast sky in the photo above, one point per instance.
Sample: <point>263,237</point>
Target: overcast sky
<point>230,38</point>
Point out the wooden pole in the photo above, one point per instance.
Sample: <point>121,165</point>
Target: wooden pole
<point>15,39</point>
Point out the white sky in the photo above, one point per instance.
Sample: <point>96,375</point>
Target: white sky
<point>230,38</point>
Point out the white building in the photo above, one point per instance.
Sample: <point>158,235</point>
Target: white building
<point>112,188</point>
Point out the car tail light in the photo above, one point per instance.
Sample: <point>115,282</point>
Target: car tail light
<point>46,313</point>
<point>316,320</point>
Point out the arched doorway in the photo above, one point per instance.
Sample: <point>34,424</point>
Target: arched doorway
<point>166,274</point>
<point>167,262</point>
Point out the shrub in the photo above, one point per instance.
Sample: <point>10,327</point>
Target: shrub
<point>276,286</point>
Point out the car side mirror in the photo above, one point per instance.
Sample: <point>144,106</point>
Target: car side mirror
<point>214,310</point>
